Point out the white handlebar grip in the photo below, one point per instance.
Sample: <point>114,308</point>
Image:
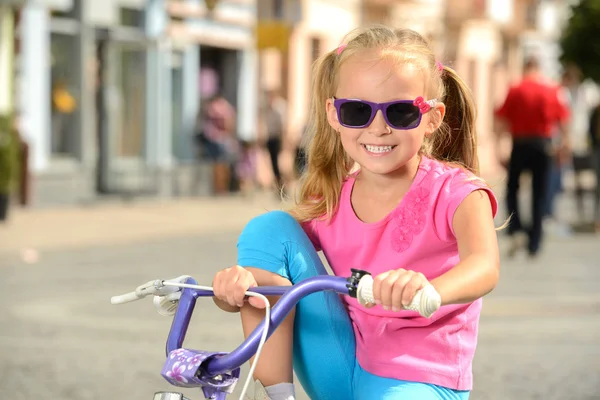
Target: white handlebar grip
<point>426,301</point>
<point>364,291</point>
<point>139,293</point>
<point>124,298</point>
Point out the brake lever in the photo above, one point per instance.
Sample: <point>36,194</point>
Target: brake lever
<point>155,287</point>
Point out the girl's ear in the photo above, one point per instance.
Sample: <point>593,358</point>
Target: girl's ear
<point>332,117</point>
<point>436,117</point>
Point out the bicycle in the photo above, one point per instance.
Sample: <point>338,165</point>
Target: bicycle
<point>217,373</point>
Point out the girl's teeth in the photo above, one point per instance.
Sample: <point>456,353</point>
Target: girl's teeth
<point>378,149</point>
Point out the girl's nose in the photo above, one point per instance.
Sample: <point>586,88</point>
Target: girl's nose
<point>379,126</point>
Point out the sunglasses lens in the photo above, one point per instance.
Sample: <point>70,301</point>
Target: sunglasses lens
<point>355,113</point>
<point>403,115</point>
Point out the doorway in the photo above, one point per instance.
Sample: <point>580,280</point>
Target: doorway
<point>121,117</point>
<point>219,73</point>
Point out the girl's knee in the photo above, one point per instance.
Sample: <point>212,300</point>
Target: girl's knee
<point>279,222</point>
<point>276,242</point>
<point>262,243</point>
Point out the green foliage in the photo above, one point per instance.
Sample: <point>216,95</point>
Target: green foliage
<point>9,151</point>
<point>580,41</point>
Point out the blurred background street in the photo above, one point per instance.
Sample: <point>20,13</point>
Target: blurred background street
<point>113,172</point>
<point>110,98</point>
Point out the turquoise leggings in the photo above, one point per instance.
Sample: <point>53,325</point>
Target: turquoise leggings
<point>324,346</point>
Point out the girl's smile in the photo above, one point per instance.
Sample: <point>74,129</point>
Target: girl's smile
<point>378,150</point>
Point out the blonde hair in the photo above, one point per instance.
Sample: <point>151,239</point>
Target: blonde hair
<point>328,164</point>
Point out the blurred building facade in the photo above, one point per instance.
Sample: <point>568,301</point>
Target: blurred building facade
<point>485,41</point>
<point>479,39</point>
<point>311,34</point>
<point>424,16</point>
<point>315,35</point>
<point>109,90</point>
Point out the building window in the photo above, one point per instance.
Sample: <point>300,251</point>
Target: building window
<point>132,90</point>
<point>278,9</point>
<point>72,12</point>
<point>132,18</point>
<point>179,141</point>
<point>531,14</point>
<point>64,96</point>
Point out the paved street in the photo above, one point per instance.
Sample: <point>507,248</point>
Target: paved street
<point>62,340</point>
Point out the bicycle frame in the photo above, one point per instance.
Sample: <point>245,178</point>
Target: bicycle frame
<point>217,372</point>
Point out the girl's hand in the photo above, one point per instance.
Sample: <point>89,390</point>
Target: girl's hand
<point>230,286</point>
<point>396,288</point>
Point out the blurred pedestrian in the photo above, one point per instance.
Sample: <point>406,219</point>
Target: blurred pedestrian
<point>582,98</point>
<point>594,131</point>
<point>218,141</point>
<point>531,109</point>
<point>275,120</point>
<point>558,167</point>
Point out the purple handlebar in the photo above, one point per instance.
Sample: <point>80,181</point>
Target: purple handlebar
<point>291,295</point>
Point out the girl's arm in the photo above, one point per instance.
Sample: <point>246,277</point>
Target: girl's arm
<point>478,271</point>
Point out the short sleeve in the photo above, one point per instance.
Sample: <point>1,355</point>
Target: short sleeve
<point>311,228</point>
<point>454,189</point>
<point>505,110</point>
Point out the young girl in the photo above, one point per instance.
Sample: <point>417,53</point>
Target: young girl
<point>413,213</point>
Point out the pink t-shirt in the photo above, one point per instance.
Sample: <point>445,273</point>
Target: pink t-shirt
<point>416,235</point>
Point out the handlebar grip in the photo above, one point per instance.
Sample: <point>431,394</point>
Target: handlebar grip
<point>124,298</point>
<point>139,293</point>
<point>426,301</point>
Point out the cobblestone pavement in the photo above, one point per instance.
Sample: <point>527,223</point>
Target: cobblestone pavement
<point>62,340</point>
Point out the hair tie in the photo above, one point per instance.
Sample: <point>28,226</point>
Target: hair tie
<point>340,49</point>
<point>439,66</point>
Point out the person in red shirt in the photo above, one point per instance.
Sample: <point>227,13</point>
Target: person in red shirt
<point>531,110</point>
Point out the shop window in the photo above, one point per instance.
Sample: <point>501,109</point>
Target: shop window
<point>132,90</point>
<point>132,17</point>
<point>64,96</point>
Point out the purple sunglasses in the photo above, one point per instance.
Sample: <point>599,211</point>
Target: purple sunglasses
<point>399,114</point>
